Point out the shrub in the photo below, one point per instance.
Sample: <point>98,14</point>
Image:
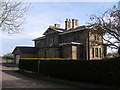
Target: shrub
<point>8,57</point>
<point>93,71</point>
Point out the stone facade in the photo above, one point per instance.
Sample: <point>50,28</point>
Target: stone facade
<point>75,42</point>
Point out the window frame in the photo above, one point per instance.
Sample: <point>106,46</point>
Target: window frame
<point>96,53</point>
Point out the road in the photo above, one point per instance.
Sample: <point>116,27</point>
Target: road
<point>12,79</point>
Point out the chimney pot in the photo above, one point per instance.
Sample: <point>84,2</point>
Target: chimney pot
<point>67,24</point>
<point>74,23</point>
<point>57,25</point>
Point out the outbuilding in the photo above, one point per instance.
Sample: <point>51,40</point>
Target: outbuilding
<point>24,52</point>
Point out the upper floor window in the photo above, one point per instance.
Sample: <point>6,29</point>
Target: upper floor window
<point>76,38</point>
<point>52,39</point>
<point>62,40</point>
<point>96,37</point>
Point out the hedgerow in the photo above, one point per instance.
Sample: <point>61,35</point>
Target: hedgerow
<point>93,71</point>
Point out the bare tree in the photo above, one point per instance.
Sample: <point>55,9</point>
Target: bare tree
<point>12,15</point>
<point>108,25</point>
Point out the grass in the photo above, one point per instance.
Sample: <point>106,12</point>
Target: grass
<point>64,82</point>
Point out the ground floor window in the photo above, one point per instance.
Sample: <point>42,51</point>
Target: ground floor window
<point>93,52</point>
<point>96,52</point>
<point>100,52</point>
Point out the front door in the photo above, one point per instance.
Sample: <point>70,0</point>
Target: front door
<point>74,52</point>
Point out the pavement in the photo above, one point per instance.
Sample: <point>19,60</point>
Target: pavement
<point>11,79</point>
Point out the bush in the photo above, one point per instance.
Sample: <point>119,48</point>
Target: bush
<point>93,71</point>
<point>8,57</point>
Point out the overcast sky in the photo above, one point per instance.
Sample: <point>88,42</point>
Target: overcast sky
<point>43,14</point>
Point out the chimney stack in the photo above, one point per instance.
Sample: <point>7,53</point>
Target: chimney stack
<point>57,25</point>
<point>67,24</point>
<point>74,23</point>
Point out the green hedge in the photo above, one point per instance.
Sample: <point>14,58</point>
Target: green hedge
<point>105,72</point>
<point>29,65</point>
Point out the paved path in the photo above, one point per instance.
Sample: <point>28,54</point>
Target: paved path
<point>12,79</point>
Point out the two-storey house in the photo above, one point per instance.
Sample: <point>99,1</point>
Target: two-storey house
<point>74,42</point>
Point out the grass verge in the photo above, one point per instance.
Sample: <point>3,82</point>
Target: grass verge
<point>64,82</point>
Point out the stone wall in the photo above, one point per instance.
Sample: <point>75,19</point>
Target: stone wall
<point>48,53</point>
<point>66,51</point>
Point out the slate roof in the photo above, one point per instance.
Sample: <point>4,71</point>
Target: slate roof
<point>27,49</point>
<point>62,31</point>
<point>80,28</point>
<point>55,29</point>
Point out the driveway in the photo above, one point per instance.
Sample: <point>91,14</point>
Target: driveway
<point>12,79</point>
